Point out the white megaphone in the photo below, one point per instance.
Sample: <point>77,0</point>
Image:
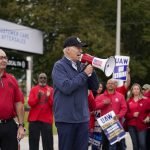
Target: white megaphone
<point>106,65</point>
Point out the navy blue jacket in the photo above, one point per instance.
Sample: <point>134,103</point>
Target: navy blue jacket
<point>71,92</point>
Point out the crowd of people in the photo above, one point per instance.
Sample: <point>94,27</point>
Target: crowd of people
<point>76,100</point>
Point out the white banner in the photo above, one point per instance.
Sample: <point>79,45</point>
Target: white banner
<point>20,38</point>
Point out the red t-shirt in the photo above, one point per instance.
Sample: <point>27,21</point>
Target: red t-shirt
<point>9,95</point>
<point>41,109</point>
<point>143,107</point>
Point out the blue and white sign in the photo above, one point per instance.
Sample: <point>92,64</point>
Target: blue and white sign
<point>95,138</point>
<point>120,70</point>
<point>111,127</point>
<point>20,38</point>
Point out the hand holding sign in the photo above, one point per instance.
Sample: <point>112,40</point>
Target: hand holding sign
<point>112,128</point>
<point>121,68</point>
<point>116,117</point>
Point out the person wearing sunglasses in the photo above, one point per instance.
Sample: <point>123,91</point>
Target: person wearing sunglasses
<point>40,115</point>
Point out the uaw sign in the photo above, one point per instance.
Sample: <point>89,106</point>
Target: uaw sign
<point>120,70</point>
<point>111,127</point>
<point>23,64</point>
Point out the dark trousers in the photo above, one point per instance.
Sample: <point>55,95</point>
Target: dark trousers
<point>138,138</point>
<point>72,136</point>
<point>121,145</point>
<point>8,136</point>
<point>105,142</point>
<point>95,147</point>
<point>148,139</point>
<point>45,129</point>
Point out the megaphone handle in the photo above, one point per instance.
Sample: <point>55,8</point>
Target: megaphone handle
<point>85,65</point>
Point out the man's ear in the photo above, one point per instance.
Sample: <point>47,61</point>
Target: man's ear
<point>68,50</point>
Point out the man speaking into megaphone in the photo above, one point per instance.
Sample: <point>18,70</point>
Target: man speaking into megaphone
<point>106,65</point>
<point>71,81</point>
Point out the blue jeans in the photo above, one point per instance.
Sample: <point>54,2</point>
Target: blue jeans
<point>138,138</point>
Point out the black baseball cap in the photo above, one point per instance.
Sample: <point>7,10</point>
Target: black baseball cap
<point>74,41</point>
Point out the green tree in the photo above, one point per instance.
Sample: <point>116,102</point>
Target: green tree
<point>93,21</point>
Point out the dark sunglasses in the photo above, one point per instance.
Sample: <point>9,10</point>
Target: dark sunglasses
<point>43,78</point>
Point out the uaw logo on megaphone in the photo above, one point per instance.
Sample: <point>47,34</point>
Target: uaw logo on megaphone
<point>106,65</point>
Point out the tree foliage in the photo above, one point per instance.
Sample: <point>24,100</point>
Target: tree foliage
<point>94,22</point>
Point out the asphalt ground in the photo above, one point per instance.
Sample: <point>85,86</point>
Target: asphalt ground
<point>24,144</point>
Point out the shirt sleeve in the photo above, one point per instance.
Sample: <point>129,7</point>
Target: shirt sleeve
<point>122,90</point>
<point>91,101</point>
<point>99,102</point>
<point>51,96</point>
<point>33,97</point>
<point>129,114</point>
<point>148,106</point>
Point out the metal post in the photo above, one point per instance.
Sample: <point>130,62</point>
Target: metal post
<point>118,27</point>
<point>29,74</point>
<point>118,33</point>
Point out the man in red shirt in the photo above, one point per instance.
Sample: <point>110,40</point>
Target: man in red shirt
<point>10,107</point>
<point>108,101</point>
<point>40,115</point>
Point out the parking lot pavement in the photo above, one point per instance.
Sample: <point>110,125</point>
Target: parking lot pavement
<point>24,144</point>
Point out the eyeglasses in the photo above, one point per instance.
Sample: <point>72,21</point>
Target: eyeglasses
<point>42,77</point>
<point>3,57</point>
